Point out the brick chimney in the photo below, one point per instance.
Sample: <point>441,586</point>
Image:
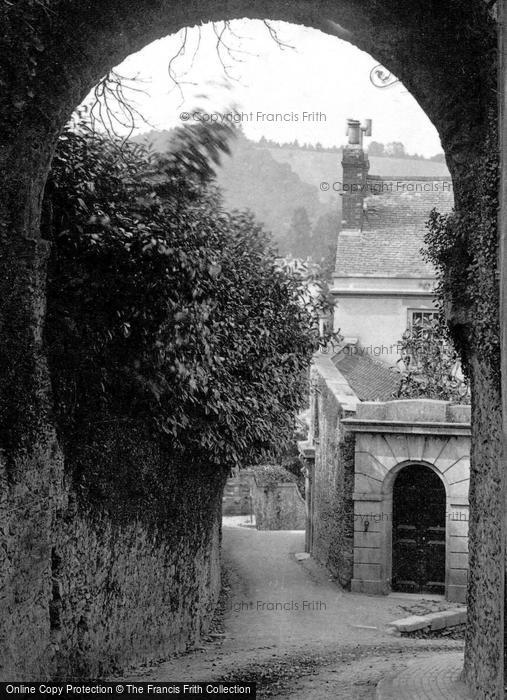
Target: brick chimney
<point>355,170</point>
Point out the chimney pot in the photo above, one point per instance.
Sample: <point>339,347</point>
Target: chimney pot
<point>354,131</point>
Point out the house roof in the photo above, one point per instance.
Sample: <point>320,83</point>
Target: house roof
<point>369,380</point>
<point>394,225</point>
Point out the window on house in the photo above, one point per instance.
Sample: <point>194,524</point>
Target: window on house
<point>418,319</point>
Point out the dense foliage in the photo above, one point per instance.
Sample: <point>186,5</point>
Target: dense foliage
<point>430,366</point>
<point>268,476</point>
<point>463,247</point>
<point>164,308</point>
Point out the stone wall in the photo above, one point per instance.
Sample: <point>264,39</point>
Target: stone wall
<point>27,512</point>
<point>332,478</point>
<point>124,593</point>
<point>237,499</point>
<point>130,577</point>
<point>279,507</point>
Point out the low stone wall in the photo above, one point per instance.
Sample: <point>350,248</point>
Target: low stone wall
<point>278,508</point>
<point>237,499</point>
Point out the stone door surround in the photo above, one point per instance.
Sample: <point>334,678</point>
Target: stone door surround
<point>393,435</point>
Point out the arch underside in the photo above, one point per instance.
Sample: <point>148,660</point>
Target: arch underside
<point>419,42</point>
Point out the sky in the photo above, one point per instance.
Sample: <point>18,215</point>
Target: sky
<point>304,93</point>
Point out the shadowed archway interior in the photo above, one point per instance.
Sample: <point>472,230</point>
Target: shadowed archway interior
<point>419,535</point>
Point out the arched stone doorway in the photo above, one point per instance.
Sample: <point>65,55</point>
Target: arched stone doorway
<point>408,440</point>
<point>418,531</point>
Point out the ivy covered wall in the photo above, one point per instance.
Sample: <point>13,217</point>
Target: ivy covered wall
<point>127,577</point>
<point>133,577</point>
<point>332,509</point>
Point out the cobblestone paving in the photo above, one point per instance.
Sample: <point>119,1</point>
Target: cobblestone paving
<point>434,677</point>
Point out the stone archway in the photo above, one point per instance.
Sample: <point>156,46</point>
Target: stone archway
<point>392,437</point>
<point>52,54</point>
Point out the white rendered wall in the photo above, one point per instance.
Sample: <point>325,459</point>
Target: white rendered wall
<point>378,322</point>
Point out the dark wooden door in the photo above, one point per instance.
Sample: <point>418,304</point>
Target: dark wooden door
<point>418,531</point>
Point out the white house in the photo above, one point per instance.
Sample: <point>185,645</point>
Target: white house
<point>381,281</point>
<point>387,480</point>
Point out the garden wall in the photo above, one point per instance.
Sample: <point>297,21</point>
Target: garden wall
<point>237,498</point>
<point>279,507</point>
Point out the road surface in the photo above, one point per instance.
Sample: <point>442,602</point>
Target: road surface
<point>292,628</point>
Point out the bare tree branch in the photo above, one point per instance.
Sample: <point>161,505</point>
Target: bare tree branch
<point>172,75</point>
<point>274,35</point>
<point>220,43</point>
<point>113,107</point>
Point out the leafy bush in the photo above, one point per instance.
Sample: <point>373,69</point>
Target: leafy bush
<point>268,476</point>
<point>463,247</point>
<point>430,366</point>
<point>164,308</point>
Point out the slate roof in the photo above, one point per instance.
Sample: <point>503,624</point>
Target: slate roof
<point>369,380</point>
<point>394,224</point>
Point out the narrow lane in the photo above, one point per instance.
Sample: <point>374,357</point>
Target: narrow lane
<point>278,600</point>
<point>281,610</point>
